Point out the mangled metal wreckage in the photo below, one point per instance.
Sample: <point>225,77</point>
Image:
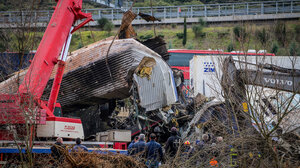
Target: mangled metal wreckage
<point>93,80</point>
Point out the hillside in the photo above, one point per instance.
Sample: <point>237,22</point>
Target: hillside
<point>210,37</point>
<point>213,37</point>
<point>143,3</point>
<point>9,5</point>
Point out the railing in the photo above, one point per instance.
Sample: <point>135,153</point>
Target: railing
<point>168,12</point>
<point>103,2</point>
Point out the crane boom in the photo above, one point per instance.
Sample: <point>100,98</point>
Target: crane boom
<point>26,105</point>
<point>64,16</point>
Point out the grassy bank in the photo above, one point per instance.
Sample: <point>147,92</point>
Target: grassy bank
<point>213,37</point>
<point>221,37</point>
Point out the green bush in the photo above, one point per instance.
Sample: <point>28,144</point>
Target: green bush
<point>297,29</point>
<point>170,45</point>
<point>190,46</point>
<point>161,36</point>
<point>293,49</point>
<point>202,22</point>
<point>262,36</point>
<point>280,33</point>
<point>173,25</point>
<point>230,47</point>
<point>75,35</point>
<point>198,30</point>
<point>108,27</point>
<point>222,34</point>
<point>179,35</point>
<point>79,45</point>
<point>146,37</point>
<point>240,33</point>
<point>102,22</point>
<point>274,48</point>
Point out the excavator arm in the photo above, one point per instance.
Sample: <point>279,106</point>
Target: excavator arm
<point>234,82</point>
<point>266,75</point>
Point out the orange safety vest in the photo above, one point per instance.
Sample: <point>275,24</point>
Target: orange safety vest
<point>213,162</point>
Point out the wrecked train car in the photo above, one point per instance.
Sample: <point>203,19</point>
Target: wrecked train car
<point>96,75</point>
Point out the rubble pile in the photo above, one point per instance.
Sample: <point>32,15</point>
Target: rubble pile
<point>110,160</point>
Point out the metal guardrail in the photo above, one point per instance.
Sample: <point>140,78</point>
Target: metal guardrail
<point>169,12</point>
<point>104,3</point>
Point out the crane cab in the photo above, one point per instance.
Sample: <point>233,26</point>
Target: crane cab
<point>59,126</point>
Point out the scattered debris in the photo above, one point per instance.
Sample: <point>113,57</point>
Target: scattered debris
<point>148,18</point>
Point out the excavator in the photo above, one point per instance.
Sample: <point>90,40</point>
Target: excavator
<point>26,106</point>
<point>234,80</point>
<point>280,97</point>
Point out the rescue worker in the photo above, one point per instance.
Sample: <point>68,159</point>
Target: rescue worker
<point>56,153</point>
<point>187,149</point>
<point>139,147</point>
<point>172,143</point>
<point>78,146</point>
<point>154,152</point>
<point>130,146</point>
<point>219,139</point>
<point>213,162</point>
<point>205,142</point>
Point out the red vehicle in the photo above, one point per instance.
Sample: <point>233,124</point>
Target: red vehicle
<point>26,106</point>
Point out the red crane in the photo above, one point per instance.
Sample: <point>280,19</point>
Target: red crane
<point>26,105</point>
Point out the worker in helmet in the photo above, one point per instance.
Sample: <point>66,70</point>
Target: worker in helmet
<point>187,149</point>
<point>187,143</point>
<point>172,143</point>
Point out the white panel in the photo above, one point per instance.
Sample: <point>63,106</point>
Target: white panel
<point>60,129</point>
<point>206,79</point>
<point>68,130</point>
<point>46,130</point>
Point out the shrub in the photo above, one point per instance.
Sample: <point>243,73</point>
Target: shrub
<point>274,48</point>
<point>79,45</point>
<point>202,22</point>
<point>102,22</point>
<point>170,45</point>
<point>280,33</point>
<point>173,25</point>
<point>108,27</point>
<point>146,37</point>
<point>190,46</point>
<point>293,49</point>
<point>297,29</point>
<point>75,36</point>
<point>161,36</point>
<point>240,33</point>
<point>184,33</point>
<point>222,34</point>
<point>197,29</point>
<point>262,36</point>
<point>230,47</point>
<point>179,35</point>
